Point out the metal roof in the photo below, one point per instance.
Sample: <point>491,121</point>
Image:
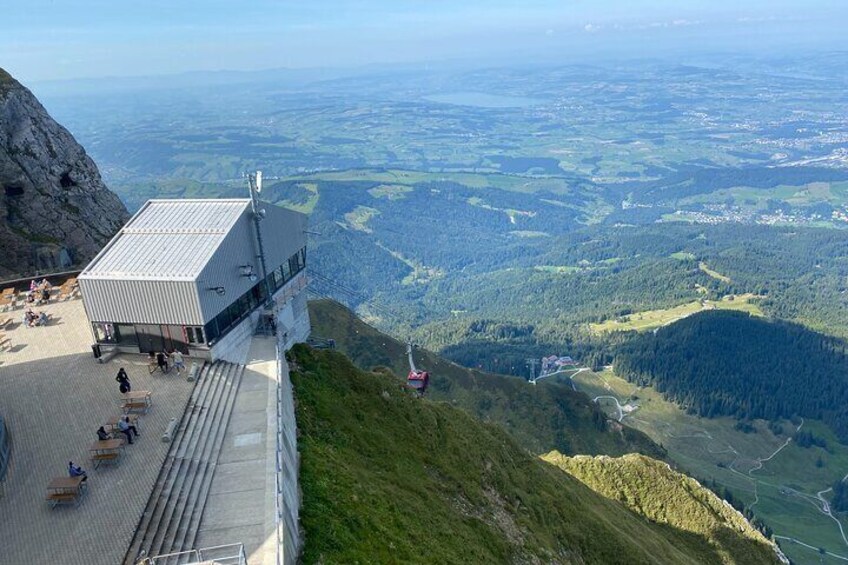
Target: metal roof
<point>167,240</point>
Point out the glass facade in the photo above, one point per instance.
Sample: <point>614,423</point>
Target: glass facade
<point>247,302</point>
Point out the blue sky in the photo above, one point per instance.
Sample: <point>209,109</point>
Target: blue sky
<point>42,40</point>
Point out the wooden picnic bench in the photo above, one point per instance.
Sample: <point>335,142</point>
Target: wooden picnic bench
<point>112,423</point>
<point>105,451</point>
<point>140,400</point>
<point>7,302</point>
<point>111,426</point>
<point>64,490</point>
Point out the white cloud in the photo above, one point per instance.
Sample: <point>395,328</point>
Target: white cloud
<point>591,28</point>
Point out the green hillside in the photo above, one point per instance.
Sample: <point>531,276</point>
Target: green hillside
<point>652,489</point>
<point>388,478</point>
<point>723,363</point>
<point>543,417</point>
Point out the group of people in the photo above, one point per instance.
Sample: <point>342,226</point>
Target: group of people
<point>127,428</point>
<point>164,361</point>
<point>32,318</point>
<point>38,292</point>
<point>124,426</point>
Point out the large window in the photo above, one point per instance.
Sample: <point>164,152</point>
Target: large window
<point>247,302</point>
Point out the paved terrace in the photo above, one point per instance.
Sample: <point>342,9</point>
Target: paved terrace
<point>54,396</point>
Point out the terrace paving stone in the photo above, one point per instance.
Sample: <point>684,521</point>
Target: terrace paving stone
<point>54,396</point>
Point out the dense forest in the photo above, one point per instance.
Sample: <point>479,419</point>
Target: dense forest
<point>489,277</point>
<point>729,363</point>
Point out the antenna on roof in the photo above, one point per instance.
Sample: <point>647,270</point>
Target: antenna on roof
<point>254,183</point>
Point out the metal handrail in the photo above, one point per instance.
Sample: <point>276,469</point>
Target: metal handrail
<point>205,555</point>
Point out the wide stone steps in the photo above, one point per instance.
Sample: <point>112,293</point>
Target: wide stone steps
<point>172,516</point>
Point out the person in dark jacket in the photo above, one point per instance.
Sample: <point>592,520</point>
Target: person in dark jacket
<point>123,381</point>
<point>102,434</point>
<point>162,361</point>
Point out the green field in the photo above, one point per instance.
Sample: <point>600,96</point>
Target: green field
<point>714,274</point>
<point>651,319</point>
<point>781,491</point>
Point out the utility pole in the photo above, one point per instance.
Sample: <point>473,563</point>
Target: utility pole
<point>532,364</point>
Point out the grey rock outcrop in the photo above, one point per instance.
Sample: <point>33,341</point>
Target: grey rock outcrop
<point>55,211</point>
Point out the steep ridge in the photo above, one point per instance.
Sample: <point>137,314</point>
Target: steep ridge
<point>651,488</point>
<point>55,211</point>
<point>547,416</point>
<point>387,477</point>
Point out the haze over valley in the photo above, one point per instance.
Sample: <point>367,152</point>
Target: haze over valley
<point>656,198</point>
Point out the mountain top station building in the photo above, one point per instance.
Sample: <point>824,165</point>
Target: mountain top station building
<point>189,275</point>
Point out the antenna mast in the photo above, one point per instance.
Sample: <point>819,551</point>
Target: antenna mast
<point>254,183</point>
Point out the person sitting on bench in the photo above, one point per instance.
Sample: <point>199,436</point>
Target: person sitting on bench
<point>77,471</point>
<point>127,429</point>
<point>102,435</point>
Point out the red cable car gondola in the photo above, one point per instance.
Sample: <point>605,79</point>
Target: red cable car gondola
<point>416,379</point>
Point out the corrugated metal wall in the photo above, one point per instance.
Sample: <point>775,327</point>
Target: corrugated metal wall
<point>238,248</point>
<point>192,303</point>
<point>283,233</point>
<point>141,301</point>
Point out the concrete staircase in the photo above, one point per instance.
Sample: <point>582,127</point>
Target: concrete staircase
<point>173,513</point>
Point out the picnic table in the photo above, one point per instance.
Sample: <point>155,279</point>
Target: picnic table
<point>140,400</point>
<point>112,428</point>
<point>64,489</point>
<point>105,451</point>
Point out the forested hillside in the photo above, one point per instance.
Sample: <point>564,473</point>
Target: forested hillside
<point>541,418</point>
<point>387,477</point>
<point>729,363</point>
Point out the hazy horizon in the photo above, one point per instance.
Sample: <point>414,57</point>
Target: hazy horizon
<point>62,40</point>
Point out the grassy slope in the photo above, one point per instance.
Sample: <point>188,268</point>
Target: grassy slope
<point>641,321</point>
<point>711,449</point>
<point>389,478</point>
<point>544,417</point>
<point>662,495</point>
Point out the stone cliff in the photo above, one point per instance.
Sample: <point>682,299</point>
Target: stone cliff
<point>55,211</point>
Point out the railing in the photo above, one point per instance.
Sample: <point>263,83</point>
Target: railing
<point>5,453</point>
<point>232,554</point>
<point>285,495</point>
<point>56,279</point>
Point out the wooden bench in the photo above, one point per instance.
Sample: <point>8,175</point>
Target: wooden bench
<point>99,458</point>
<point>65,490</point>
<point>56,498</point>
<point>140,400</point>
<point>111,424</point>
<point>105,451</point>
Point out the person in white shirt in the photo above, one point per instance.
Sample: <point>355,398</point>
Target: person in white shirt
<point>177,360</point>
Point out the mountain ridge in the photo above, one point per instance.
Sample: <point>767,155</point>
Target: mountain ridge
<point>55,211</point>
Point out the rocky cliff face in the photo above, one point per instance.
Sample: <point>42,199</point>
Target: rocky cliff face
<point>55,211</point>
